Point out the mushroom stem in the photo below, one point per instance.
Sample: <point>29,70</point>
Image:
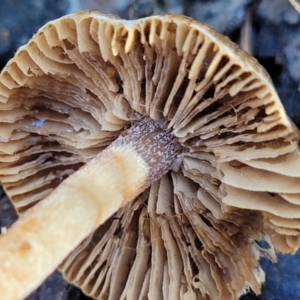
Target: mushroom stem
<point>40,240</point>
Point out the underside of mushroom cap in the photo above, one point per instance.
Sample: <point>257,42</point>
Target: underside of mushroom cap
<point>84,78</point>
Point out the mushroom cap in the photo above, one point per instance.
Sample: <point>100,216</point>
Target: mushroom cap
<point>84,78</point>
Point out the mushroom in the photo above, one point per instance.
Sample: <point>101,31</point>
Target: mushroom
<point>225,175</point>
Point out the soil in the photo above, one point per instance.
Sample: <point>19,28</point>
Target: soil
<point>269,30</point>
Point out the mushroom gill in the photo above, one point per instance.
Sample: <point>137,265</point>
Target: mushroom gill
<point>83,79</point>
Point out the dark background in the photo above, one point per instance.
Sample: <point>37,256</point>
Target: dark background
<point>268,29</point>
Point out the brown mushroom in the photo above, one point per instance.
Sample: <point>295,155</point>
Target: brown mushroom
<point>84,79</point>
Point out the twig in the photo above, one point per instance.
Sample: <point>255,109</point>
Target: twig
<point>296,5</point>
<point>246,31</point>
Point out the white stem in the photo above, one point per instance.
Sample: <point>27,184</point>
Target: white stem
<point>39,241</point>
